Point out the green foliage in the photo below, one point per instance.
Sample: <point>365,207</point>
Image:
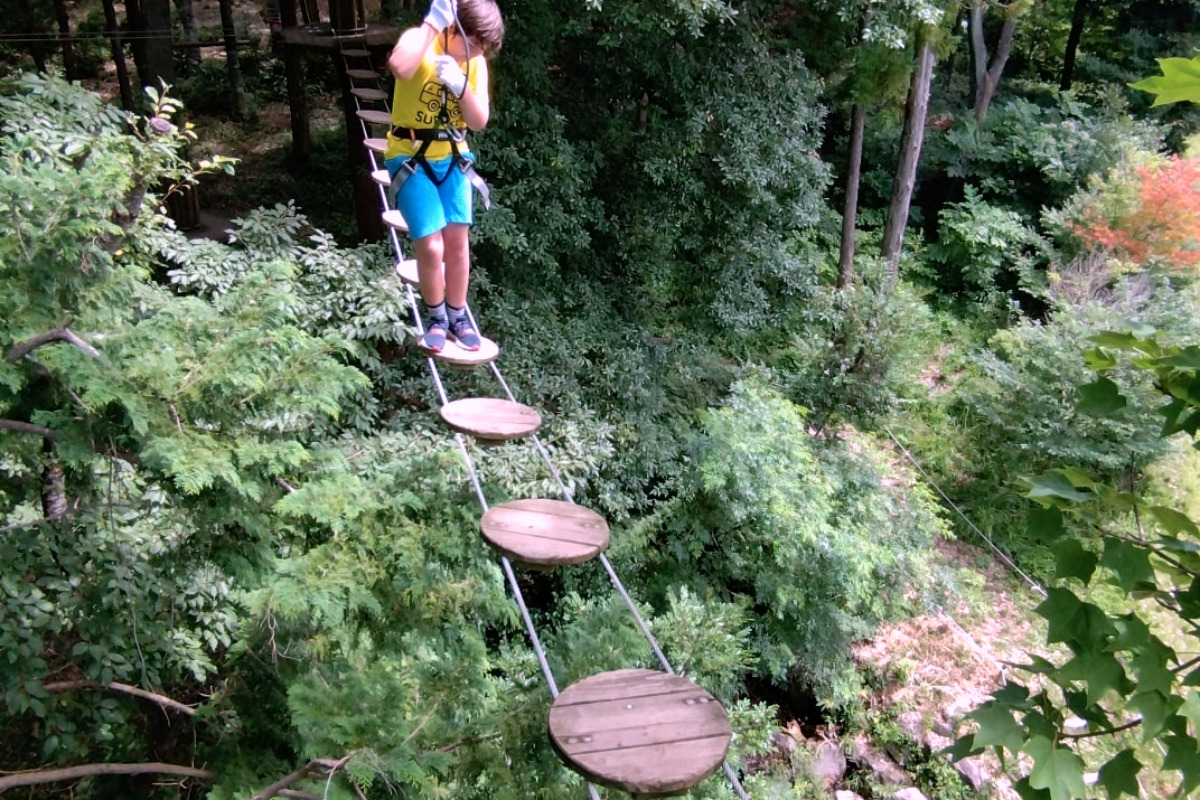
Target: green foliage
<point>1123,676</point>
<point>985,252</point>
<point>802,527</point>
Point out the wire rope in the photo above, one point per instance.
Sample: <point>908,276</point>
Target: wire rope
<point>991,544</point>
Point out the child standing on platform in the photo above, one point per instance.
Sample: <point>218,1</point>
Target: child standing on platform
<point>441,91</point>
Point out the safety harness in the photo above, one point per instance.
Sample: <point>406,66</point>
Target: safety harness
<point>426,136</point>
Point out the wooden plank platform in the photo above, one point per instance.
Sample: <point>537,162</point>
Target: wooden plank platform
<point>373,116</point>
<point>545,533</point>
<point>644,732</point>
<point>407,271</point>
<point>320,36</point>
<point>362,74</point>
<point>354,52</point>
<point>455,356</point>
<point>394,219</point>
<point>491,418</point>
<point>368,95</point>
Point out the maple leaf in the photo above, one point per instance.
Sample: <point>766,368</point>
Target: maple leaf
<point>1056,769</point>
<point>1180,81</point>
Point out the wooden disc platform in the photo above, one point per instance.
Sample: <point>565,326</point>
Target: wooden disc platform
<point>376,145</point>
<point>455,356</point>
<point>394,219</point>
<point>406,271</point>
<point>373,116</point>
<point>355,52</point>
<point>545,533</point>
<point>645,732</point>
<point>369,95</point>
<point>381,176</point>
<point>490,418</point>
<point>363,74</point>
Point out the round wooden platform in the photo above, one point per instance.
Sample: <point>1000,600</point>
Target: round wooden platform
<point>355,52</point>
<point>375,117</point>
<point>369,95</point>
<point>376,145</point>
<point>362,74</point>
<point>381,176</point>
<point>406,271</point>
<point>641,731</point>
<point>490,418</point>
<point>545,533</point>
<point>455,356</point>
<point>394,219</point>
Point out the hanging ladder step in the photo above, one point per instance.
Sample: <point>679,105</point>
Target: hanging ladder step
<point>544,533</point>
<point>641,731</point>
<point>490,418</point>
<point>369,95</point>
<point>394,219</point>
<point>373,116</point>
<point>362,74</point>
<point>455,356</point>
<point>381,176</point>
<point>406,270</point>
<point>376,145</point>
<point>355,52</point>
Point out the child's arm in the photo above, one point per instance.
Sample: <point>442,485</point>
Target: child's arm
<point>410,49</point>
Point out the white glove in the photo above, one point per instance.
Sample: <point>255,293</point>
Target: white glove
<point>441,15</point>
<point>450,74</point>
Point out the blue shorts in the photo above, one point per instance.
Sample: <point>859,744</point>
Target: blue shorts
<point>428,207</point>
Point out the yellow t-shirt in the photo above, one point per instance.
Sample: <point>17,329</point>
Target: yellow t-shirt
<point>417,101</point>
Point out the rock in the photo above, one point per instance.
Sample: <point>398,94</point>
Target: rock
<point>829,763</point>
<point>885,770</point>
<point>911,793</point>
<point>842,794</point>
<point>943,727</point>
<point>971,774</point>
<point>784,742</point>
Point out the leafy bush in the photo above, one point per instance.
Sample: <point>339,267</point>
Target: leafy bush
<point>803,528</point>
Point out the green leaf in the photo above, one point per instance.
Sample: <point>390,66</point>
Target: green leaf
<point>1119,775</point>
<point>1119,339</point>
<point>1056,769</point>
<point>1174,521</point>
<point>1060,608</point>
<point>1100,671</point>
<point>1180,80</point>
<point>1055,485</point>
<point>1156,709</point>
<point>997,728</point>
<point>1073,561</point>
<point>1191,708</point>
<point>1100,399</point>
<point>1044,523</point>
<point>1183,755</point>
<point>1129,563</point>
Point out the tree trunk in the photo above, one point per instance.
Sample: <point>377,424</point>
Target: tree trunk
<point>191,33</point>
<point>1078,18</point>
<point>118,54</point>
<point>231,61</point>
<point>37,44</point>
<point>991,78</point>
<point>160,61</point>
<point>911,140</point>
<point>850,211</point>
<point>64,31</point>
<point>137,40</point>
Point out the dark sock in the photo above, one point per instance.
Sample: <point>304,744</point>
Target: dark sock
<point>455,313</point>
<point>435,312</point>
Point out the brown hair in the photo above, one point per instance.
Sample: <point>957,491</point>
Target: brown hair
<point>481,20</point>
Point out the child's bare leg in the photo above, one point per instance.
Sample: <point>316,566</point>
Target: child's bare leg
<point>457,256</point>
<point>429,250</point>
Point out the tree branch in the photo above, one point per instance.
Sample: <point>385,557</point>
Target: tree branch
<point>84,770</point>
<point>63,334</point>
<point>1107,731</point>
<point>25,427</point>
<point>165,702</point>
<point>278,788</point>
